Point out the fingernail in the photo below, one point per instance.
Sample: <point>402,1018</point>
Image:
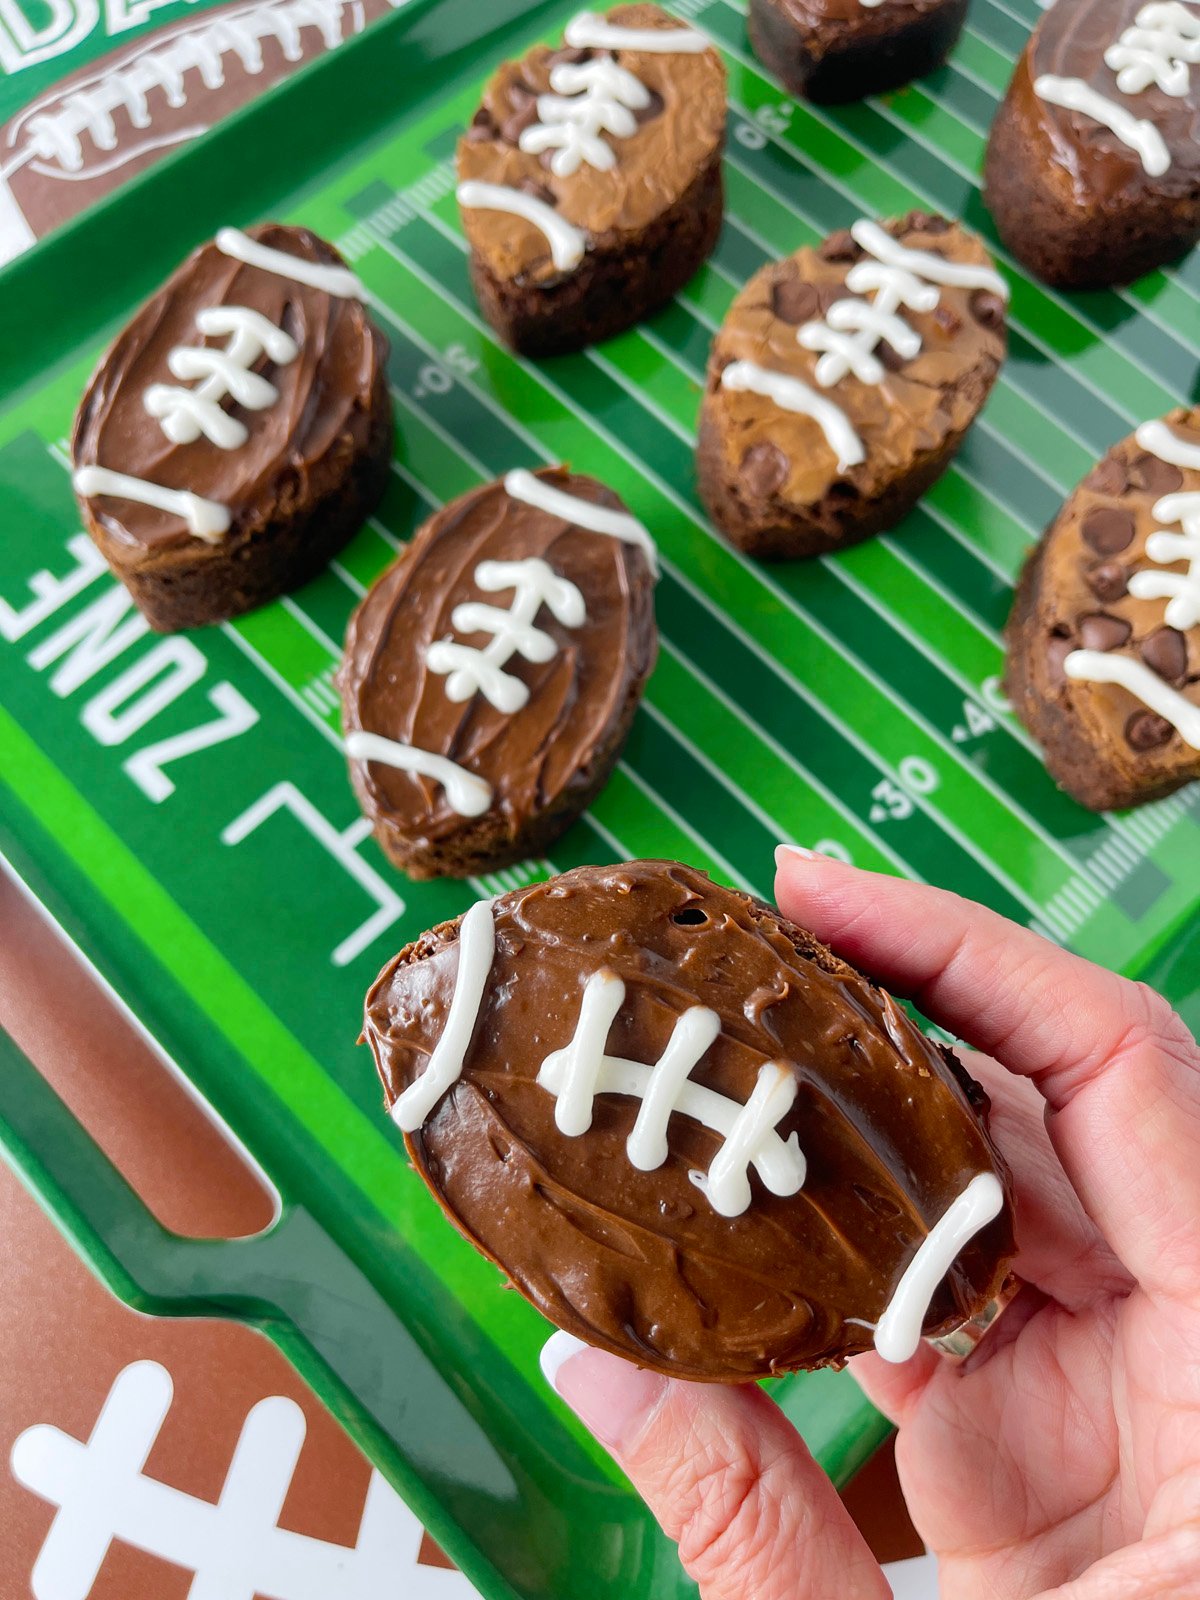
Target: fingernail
<point>612,1398</point>
<point>796,852</point>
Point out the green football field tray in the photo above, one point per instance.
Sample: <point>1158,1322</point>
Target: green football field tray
<point>181,805</point>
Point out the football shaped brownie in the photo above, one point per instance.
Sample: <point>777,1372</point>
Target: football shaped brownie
<point>842,382</point>
<point>1104,639</point>
<point>590,178</point>
<point>844,49</point>
<point>238,431</point>
<point>686,1131</point>
<point>492,672</point>
<point>1093,164</point>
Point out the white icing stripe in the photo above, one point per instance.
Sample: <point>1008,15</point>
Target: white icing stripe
<point>727,1184</point>
<point>337,281</point>
<point>1106,666</point>
<point>850,330</point>
<point>924,263</point>
<point>1160,47</point>
<point>534,491</point>
<point>589,98</point>
<point>207,519</point>
<point>588,31</point>
<point>899,1329</point>
<point>185,414</point>
<point>691,1036</point>
<point>846,353</point>
<point>1141,136</point>
<point>567,243</point>
<point>472,671</point>
<point>582,1070</point>
<point>476,949</point>
<point>1181,588</point>
<point>466,793</point>
<point>1168,446</point>
<point>793,394</point>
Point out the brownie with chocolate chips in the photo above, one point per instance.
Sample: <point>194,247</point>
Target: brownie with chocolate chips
<point>1104,638</point>
<point>842,382</point>
<point>590,178</point>
<point>1093,162</point>
<point>837,50</point>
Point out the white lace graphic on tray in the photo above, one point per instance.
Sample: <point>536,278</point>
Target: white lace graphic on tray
<point>235,1547</point>
<point>54,138</point>
<point>185,414</point>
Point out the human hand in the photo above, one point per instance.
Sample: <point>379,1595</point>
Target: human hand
<point>1062,1459</point>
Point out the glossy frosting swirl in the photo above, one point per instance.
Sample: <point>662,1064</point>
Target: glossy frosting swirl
<point>321,415</point>
<point>1070,42</point>
<point>532,757</point>
<point>639,1262</point>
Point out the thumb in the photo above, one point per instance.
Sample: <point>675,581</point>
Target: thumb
<point>726,1476</point>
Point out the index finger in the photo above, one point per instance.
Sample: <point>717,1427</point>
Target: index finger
<point>1117,1067</point>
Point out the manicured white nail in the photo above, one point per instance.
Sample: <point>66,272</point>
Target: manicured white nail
<point>558,1348</point>
<point>610,1396</point>
<point>795,852</point>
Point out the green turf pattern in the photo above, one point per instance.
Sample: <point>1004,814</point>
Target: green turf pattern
<point>851,703</point>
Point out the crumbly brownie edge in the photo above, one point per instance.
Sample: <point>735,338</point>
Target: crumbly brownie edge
<point>286,554</point>
<point>773,531</point>
<point>613,287</point>
<point>838,62</point>
<point>1070,246</point>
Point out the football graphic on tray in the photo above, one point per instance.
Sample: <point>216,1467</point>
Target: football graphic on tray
<point>114,117</point>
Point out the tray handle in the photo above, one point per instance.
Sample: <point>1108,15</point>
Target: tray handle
<point>148,1266</point>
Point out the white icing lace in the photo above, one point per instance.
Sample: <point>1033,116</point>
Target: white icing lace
<point>471,671</point>
<point>1160,47</point>
<point>590,98</point>
<point>750,1137</point>
<point>898,276</point>
<point>58,135</point>
<point>185,414</point>
<point>1180,589</point>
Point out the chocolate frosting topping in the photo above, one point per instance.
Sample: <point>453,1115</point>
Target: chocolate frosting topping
<point>1081,601</point>
<point>1070,42</point>
<point>919,404</point>
<point>537,756</point>
<point>639,1262</point>
<point>678,135</point>
<point>877,18</point>
<point>321,413</point>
